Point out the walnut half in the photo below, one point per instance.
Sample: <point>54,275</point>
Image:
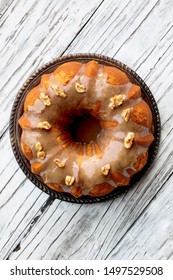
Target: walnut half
<point>128,141</point>
<point>44,125</point>
<point>59,92</point>
<point>38,147</point>
<point>105,169</point>
<point>41,154</point>
<point>45,99</point>
<point>59,163</point>
<point>126,114</point>
<point>80,88</point>
<point>69,180</point>
<point>116,101</point>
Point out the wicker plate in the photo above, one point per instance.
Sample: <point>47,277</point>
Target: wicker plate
<point>17,111</point>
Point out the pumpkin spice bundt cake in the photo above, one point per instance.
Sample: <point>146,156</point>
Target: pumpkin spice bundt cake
<point>86,129</point>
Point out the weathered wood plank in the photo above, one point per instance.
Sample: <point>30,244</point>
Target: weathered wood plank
<point>4,5</point>
<point>151,236</point>
<point>111,33</point>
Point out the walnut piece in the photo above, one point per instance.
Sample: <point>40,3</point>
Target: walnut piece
<point>105,169</point>
<point>59,163</point>
<point>45,125</point>
<point>38,147</point>
<point>128,141</point>
<point>45,99</point>
<point>126,114</point>
<point>41,154</point>
<point>59,92</point>
<point>80,88</point>
<point>69,180</point>
<point>116,101</point>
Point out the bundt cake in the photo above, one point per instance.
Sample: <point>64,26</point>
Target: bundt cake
<point>61,115</point>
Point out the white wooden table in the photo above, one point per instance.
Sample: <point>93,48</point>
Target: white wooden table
<point>137,225</point>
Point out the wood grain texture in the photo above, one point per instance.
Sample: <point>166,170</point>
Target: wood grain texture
<point>151,236</point>
<point>35,227</point>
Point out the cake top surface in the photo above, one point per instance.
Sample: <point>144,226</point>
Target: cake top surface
<point>75,89</point>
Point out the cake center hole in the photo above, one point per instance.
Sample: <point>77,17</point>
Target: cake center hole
<point>85,129</point>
